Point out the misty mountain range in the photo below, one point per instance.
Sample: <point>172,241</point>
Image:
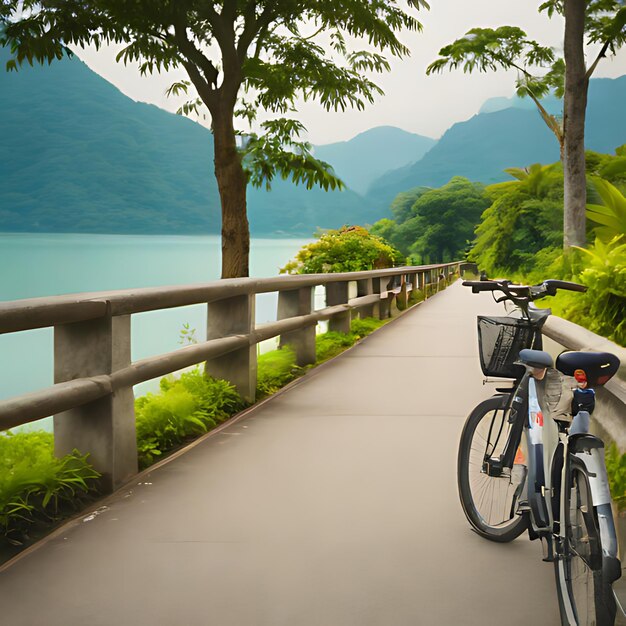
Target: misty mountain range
<point>79,156</point>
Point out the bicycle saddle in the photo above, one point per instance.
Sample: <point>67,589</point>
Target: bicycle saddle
<point>594,368</point>
<point>535,358</point>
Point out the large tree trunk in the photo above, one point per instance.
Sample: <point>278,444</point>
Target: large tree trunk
<point>574,107</point>
<point>231,182</point>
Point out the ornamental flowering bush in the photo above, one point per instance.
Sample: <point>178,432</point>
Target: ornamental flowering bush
<point>349,249</point>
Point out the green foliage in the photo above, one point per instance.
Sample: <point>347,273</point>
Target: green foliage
<point>275,369</point>
<point>186,407</point>
<point>330,344</point>
<point>402,205</point>
<point>278,151</point>
<point>439,223</point>
<point>349,249</point>
<point>525,217</point>
<point>508,47</point>
<point>616,469</point>
<point>611,215</point>
<point>35,486</point>
<point>602,308</point>
<point>187,335</point>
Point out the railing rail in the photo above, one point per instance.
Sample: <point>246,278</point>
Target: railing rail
<point>92,400</point>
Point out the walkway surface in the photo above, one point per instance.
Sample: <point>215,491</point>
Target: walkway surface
<point>332,504</point>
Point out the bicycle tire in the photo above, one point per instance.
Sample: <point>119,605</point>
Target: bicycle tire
<point>585,596</point>
<point>476,488</point>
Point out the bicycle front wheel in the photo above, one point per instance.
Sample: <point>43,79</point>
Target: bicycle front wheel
<point>489,502</point>
<point>585,597</point>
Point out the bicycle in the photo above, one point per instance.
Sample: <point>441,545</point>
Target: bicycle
<point>520,472</point>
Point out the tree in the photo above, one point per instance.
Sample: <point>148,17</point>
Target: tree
<point>524,217</point>
<point>241,56</point>
<point>601,22</point>
<point>439,223</point>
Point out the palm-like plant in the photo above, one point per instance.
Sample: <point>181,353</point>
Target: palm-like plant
<point>611,215</point>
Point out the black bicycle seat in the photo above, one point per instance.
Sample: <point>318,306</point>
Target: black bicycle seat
<point>594,368</point>
<point>535,358</point>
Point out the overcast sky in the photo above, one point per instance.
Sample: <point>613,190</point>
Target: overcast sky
<point>422,104</point>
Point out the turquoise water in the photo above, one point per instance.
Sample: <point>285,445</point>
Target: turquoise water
<point>34,265</point>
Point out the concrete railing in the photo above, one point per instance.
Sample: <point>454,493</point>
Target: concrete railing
<point>92,397</point>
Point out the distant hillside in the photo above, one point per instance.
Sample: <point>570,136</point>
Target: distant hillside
<point>550,103</point>
<point>483,146</point>
<point>79,156</point>
<point>369,155</point>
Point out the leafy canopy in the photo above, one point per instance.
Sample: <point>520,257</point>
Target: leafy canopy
<point>435,225</point>
<point>525,217</point>
<point>241,57</point>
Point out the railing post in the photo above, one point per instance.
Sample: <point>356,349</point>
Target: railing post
<point>384,306</point>
<point>290,304</point>
<point>403,296</point>
<point>104,428</point>
<point>365,287</point>
<point>337,293</point>
<point>227,317</point>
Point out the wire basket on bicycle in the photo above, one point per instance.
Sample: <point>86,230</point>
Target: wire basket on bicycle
<point>500,340</point>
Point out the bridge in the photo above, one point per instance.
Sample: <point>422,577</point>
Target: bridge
<point>332,503</point>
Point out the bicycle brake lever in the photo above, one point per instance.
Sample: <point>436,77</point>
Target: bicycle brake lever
<point>502,298</point>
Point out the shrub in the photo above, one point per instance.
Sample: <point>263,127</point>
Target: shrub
<point>330,344</point>
<point>186,407</point>
<point>348,249</point>
<point>35,486</point>
<point>275,369</point>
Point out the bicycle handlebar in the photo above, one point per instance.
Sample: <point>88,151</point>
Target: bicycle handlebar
<point>523,293</point>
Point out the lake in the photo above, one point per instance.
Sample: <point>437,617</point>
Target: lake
<point>34,265</point>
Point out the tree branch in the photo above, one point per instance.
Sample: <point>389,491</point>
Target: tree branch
<point>600,56</point>
<point>195,56</point>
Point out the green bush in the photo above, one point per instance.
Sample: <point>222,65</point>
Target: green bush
<point>35,486</point>
<point>275,369</point>
<point>349,249</point>
<point>186,407</point>
<point>330,344</point>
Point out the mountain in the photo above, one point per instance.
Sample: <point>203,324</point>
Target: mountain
<point>79,156</point>
<point>501,137</point>
<point>76,155</point>
<point>550,103</point>
<point>372,153</point>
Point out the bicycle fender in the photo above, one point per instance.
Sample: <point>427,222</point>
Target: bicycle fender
<point>589,450</point>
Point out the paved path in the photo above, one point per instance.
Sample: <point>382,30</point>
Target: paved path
<point>333,504</point>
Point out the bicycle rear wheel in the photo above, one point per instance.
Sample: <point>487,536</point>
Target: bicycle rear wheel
<point>585,597</point>
<point>489,502</point>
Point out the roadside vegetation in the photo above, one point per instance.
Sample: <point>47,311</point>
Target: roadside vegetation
<point>514,229</point>
<point>36,488</point>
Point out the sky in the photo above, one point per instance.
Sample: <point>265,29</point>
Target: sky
<point>427,105</point>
